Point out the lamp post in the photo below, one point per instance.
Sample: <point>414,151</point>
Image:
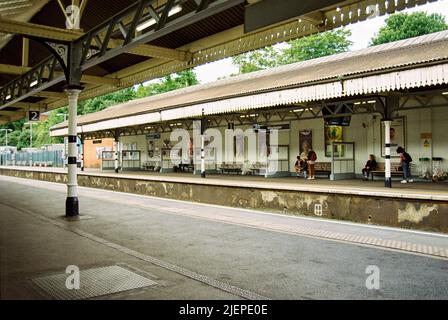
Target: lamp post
<point>31,132</point>
<point>6,134</point>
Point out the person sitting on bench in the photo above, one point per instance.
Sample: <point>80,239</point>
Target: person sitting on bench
<point>370,166</point>
<point>300,167</point>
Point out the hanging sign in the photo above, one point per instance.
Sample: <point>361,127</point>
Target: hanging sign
<point>33,115</point>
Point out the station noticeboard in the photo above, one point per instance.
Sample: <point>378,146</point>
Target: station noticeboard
<point>33,116</point>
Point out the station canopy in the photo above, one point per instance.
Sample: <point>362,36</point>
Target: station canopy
<point>120,43</point>
<point>417,65</point>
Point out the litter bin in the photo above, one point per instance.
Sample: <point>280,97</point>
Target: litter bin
<point>438,172</point>
<point>425,170</point>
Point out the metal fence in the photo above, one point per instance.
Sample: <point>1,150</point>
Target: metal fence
<point>42,158</point>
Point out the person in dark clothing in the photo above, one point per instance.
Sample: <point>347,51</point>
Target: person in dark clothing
<point>297,166</point>
<point>405,161</point>
<point>300,167</point>
<point>370,166</point>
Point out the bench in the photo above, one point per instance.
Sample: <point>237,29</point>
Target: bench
<point>380,170</point>
<point>152,165</point>
<point>323,168</point>
<point>235,168</point>
<point>186,167</point>
<point>257,168</point>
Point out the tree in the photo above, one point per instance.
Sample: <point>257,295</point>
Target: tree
<point>179,80</point>
<point>310,47</point>
<point>102,102</point>
<point>264,58</point>
<point>317,45</point>
<point>401,26</point>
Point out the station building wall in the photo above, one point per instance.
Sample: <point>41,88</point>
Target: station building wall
<point>93,151</point>
<point>364,131</point>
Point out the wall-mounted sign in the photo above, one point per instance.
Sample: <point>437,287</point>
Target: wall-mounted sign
<point>153,136</point>
<point>33,115</point>
<point>283,126</point>
<point>426,138</point>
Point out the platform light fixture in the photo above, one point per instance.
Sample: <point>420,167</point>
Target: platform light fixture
<point>32,84</point>
<point>152,21</point>
<point>445,93</point>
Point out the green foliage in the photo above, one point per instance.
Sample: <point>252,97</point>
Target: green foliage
<point>264,58</point>
<point>20,136</point>
<point>317,45</point>
<point>179,80</point>
<point>311,47</point>
<point>403,25</point>
<point>102,102</point>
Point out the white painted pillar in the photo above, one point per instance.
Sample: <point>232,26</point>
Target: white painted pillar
<point>203,155</point>
<point>72,203</point>
<point>82,154</point>
<point>387,173</point>
<point>116,153</point>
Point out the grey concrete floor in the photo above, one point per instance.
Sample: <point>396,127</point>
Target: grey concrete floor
<point>249,250</point>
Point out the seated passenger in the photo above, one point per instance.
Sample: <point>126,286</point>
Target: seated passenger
<point>370,166</point>
<point>300,167</point>
<point>297,166</point>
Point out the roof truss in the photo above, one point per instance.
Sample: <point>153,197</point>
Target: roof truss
<point>99,45</point>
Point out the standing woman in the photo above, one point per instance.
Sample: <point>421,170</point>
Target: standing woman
<point>312,158</point>
<point>405,160</point>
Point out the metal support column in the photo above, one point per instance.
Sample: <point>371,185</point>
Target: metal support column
<point>81,138</point>
<point>202,155</point>
<point>72,203</point>
<point>387,173</point>
<point>116,152</point>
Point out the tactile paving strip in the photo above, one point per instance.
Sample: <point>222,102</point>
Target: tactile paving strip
<point>94,282</point>
<point>310,232</point>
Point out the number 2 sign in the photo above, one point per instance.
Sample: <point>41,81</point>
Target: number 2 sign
<point>33,115</point>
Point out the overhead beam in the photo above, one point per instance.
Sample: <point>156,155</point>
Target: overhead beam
<point>18,70</point>
<point>13,69</point>
<point>25,52</point>
<point>317,17</point>
<point>37,30</point>
<point>147,50</point>
<point>51,94</point>
<point>100,80</point>
<point>8,113</point>
<point>269,12</point>
<point>27,105</point>
<point>58,34</point>
<point>82,7</point>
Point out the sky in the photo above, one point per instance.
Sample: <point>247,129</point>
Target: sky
<point>362,32</point>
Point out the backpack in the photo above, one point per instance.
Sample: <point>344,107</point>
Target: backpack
<point>312,156</point>
<point>407,157</point>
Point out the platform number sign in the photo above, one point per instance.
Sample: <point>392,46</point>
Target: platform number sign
<point>33,115</point>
